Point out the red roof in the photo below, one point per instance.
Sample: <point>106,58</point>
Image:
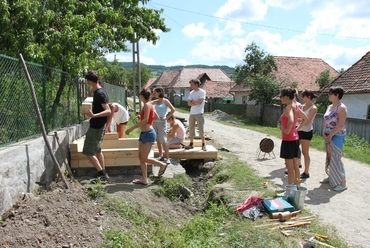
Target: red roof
<point>216,89</point>
<point>357,78</point>
<point>181,78</point>
<point>300,70</point>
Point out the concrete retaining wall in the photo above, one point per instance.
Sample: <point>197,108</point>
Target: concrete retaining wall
<point>26,165</point>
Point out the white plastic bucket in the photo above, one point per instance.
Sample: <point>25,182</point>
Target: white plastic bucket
<point>299,197</point>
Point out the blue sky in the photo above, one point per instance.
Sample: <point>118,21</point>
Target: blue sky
<point>216,32</point>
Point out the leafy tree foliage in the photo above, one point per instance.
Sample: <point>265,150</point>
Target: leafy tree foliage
<point>71,34</point>
<point>145,74</point>
<point>112,72</point>
<point>263,89</point>
<point>323,80</point>
<point>257,74</point>
<point>257,62</point>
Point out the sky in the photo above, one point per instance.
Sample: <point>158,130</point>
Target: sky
<point>216,32</point>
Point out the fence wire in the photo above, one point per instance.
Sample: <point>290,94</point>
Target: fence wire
<point>59,96</point>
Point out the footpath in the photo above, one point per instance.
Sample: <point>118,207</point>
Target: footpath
<point>347,211</point>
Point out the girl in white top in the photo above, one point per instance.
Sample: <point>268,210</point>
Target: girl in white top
<point>306,132</point>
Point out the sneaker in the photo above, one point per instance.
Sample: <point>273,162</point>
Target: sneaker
<point>305,175</point>
<point>340,188</point>
<point>325,180</point>
<point>104,177</point>
<point>204,148</point>
<point>168,160</point>
<point>189,147</point>
<point>100,178</point>
<point>161,158</point>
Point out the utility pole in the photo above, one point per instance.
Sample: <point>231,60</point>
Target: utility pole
<point>136,74</point>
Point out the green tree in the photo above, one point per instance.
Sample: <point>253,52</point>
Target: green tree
<point>112,72</point>
<point>71,34</point>
<point>323,80</point>
<point>257,74</point>
<point>257,62</point>
<point>145,74</point>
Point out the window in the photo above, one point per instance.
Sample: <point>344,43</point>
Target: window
<point>244,99</point>
<point>182,92</point>
<point>368,112</point>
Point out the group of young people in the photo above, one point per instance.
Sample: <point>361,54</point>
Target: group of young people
<point>154,116</point>
<point>297,131</point>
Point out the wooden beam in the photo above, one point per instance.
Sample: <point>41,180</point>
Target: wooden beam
<point>195,153</point>
<point>111,136</point>
<point>112,157</point>
<point>112,153</point>
<point>196,143</point>
<point>109,162</point>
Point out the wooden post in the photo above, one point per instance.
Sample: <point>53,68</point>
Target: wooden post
<point>41,122</point>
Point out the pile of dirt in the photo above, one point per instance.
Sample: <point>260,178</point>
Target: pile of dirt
<point>222,116</point>
<point>60,217</point>
<point>57,218</point>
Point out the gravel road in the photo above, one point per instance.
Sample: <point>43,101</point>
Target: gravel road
<point>348,211</point>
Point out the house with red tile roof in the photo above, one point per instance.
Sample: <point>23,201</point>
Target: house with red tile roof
<point>214,81</point>
<point>299,72</point>
<point>356,85</point>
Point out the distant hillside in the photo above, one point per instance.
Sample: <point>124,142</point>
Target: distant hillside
<point>158,69</point>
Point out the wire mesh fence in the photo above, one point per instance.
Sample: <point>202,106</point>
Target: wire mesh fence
<point>59,96</point>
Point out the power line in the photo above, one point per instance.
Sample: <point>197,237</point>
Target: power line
<point>261,25</point>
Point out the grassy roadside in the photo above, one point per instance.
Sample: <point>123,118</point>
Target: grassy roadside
<point>217,225</point>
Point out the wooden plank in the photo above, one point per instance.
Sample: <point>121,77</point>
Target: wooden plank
<point>112,153</point>
<point>195,153</point>
<point>120,143</point>
<point>196,143</point>
<point>111,136</point>
<point>109,162</point>
<point>77,145</point>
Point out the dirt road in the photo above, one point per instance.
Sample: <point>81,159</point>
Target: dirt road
<point>348,211</point>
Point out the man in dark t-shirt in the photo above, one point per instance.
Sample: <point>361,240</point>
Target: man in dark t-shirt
<point>99,116</point>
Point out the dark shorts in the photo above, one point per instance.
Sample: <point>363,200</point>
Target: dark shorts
<point>305,135</point>
<point>289,149</point>
<point>93,139</point>
<point>148,136</point>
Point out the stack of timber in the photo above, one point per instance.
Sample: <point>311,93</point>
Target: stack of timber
<point>117,152</point>
<point>195,153</point>
<point>124,152</point>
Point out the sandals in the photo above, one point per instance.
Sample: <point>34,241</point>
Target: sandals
<point>340,188</point>
<point>161,172</point>
<point>137,181</point>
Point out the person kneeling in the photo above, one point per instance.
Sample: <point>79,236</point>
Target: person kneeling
<point>176,135</point>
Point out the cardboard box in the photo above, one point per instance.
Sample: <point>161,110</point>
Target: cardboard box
<point>86,105</point>
<point>274,205</point>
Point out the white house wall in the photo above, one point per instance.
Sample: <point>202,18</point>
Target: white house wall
<point>239,98</point>
<point>357,104</point>
<point>186,91</point>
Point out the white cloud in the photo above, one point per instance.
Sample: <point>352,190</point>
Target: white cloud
<point>284,4</point>
<point>231,29</point>
<point>243,10</point>
<point>344,18</point>
<point>335,55</point>
<point>196,30</point>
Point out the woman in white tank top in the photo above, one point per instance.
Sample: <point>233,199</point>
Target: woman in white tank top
<point>306,132</point>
